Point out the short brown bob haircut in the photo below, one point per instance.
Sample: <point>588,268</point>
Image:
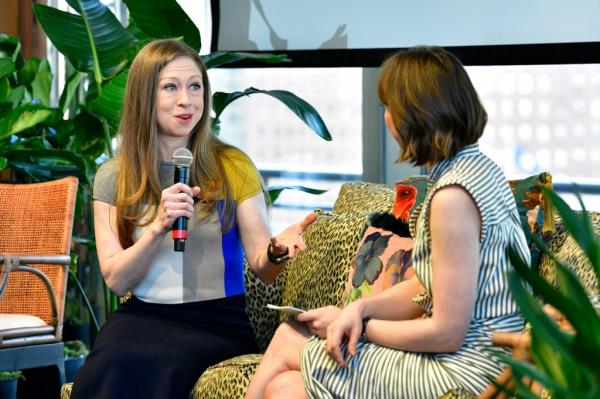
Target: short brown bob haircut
<point>432,102</point>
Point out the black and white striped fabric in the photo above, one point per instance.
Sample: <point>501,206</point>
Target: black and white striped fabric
<point>379,372</point>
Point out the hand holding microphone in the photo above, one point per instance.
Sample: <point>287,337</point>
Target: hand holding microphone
<point>182,158</point>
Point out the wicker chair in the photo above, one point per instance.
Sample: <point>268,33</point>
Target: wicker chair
<point>36,222</point>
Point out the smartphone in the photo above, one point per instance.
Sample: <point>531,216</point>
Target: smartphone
<point>286,309</point>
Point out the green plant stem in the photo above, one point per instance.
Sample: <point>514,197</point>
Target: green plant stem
<point>97,72</point>
<point>87,302</point>
<point>107,138</point>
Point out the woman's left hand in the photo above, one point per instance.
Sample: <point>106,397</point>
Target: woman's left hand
<point>290,239</point>
<point>348,325</point>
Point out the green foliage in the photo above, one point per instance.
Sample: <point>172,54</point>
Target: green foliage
<point>10,375</point>
<point>39,141</point>
<point>75,348</point>
<point>566,363</point>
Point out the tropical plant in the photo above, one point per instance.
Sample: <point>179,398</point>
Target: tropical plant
<point>566,361</point>
<point>39,141</point>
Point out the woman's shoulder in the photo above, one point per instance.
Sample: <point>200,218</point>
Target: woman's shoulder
<point>476,169</point>
<point>105,181</point>
<point>235,160</point>
<point>234,155</point>
<point>242,174</point>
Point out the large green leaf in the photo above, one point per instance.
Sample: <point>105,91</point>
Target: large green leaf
<point>42,82</point>
<point>82,135</point>
<point>23,118</point>
<point>306,112</point>
<point>10,47</point>
<point>42,164</point>
<point>94,41</point>
<point>525,368</point>
<point>533,312</point>
<point>5,90</point>
<point>6,67</point>
<point>3,162</point>
<point>110,103</point>
<point>219,58</point>
<point>569,298</point>
<point>19,95</point>
<point>164,19</point>
<point>70,90</point>
<point>28,72</point>
<point>275,191</point>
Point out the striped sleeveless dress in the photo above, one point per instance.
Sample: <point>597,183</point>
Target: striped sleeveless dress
<point>380,372</point>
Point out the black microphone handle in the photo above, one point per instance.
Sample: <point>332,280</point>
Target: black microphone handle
<point>179,229</point>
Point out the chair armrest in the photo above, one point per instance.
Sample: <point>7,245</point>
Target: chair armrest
<point>9,263</point>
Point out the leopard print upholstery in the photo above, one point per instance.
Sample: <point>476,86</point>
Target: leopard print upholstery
<point>364,197</point>
<point>317,277</point>
<point>227,379</point>
<point>567,250</point>
<point>258,294</point>
<point>65,390</point>
<point>458,393</point>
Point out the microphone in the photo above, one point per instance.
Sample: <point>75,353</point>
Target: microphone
<point>182,158</point>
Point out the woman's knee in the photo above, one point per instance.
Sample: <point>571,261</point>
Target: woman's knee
<point>286,385</point>
<point>290,332</point>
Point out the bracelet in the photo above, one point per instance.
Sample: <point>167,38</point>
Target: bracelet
<point>276,260</point>
<point>364,326</point>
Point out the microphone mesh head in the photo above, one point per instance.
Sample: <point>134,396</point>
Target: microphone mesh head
<point>182,157</point>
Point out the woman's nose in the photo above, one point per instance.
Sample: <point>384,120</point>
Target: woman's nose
<point>183,98</point>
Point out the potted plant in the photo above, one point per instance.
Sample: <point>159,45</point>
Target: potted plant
<point>75,353</point>
<point>8,383</point>
<point>566,354</point>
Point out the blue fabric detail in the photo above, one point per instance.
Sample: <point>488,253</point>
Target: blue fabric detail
<point>233,257</point>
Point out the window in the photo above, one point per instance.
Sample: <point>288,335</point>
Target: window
<point>544,118</point>
<point>285,150</point>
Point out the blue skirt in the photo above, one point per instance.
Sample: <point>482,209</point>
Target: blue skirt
<point>148,350</point>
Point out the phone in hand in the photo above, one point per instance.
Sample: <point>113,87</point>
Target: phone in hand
<point>286,309</point>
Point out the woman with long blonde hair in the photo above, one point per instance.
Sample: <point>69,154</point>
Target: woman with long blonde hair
<point>187,309</point>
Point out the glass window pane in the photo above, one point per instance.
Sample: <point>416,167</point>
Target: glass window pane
<point>544,118</point>
<point>285,150</point>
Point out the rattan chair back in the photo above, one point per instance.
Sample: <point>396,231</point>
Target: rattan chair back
<point>37,219</point>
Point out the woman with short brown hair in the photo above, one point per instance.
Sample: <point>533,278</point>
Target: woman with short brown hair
<point>430,333</point>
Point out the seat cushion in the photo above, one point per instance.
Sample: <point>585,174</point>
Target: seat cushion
<point>10,321</point>
<point>227,379</point>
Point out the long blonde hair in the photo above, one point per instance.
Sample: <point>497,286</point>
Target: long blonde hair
<point>138,181</point>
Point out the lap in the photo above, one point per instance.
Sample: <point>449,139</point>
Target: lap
<point>145,354</point>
